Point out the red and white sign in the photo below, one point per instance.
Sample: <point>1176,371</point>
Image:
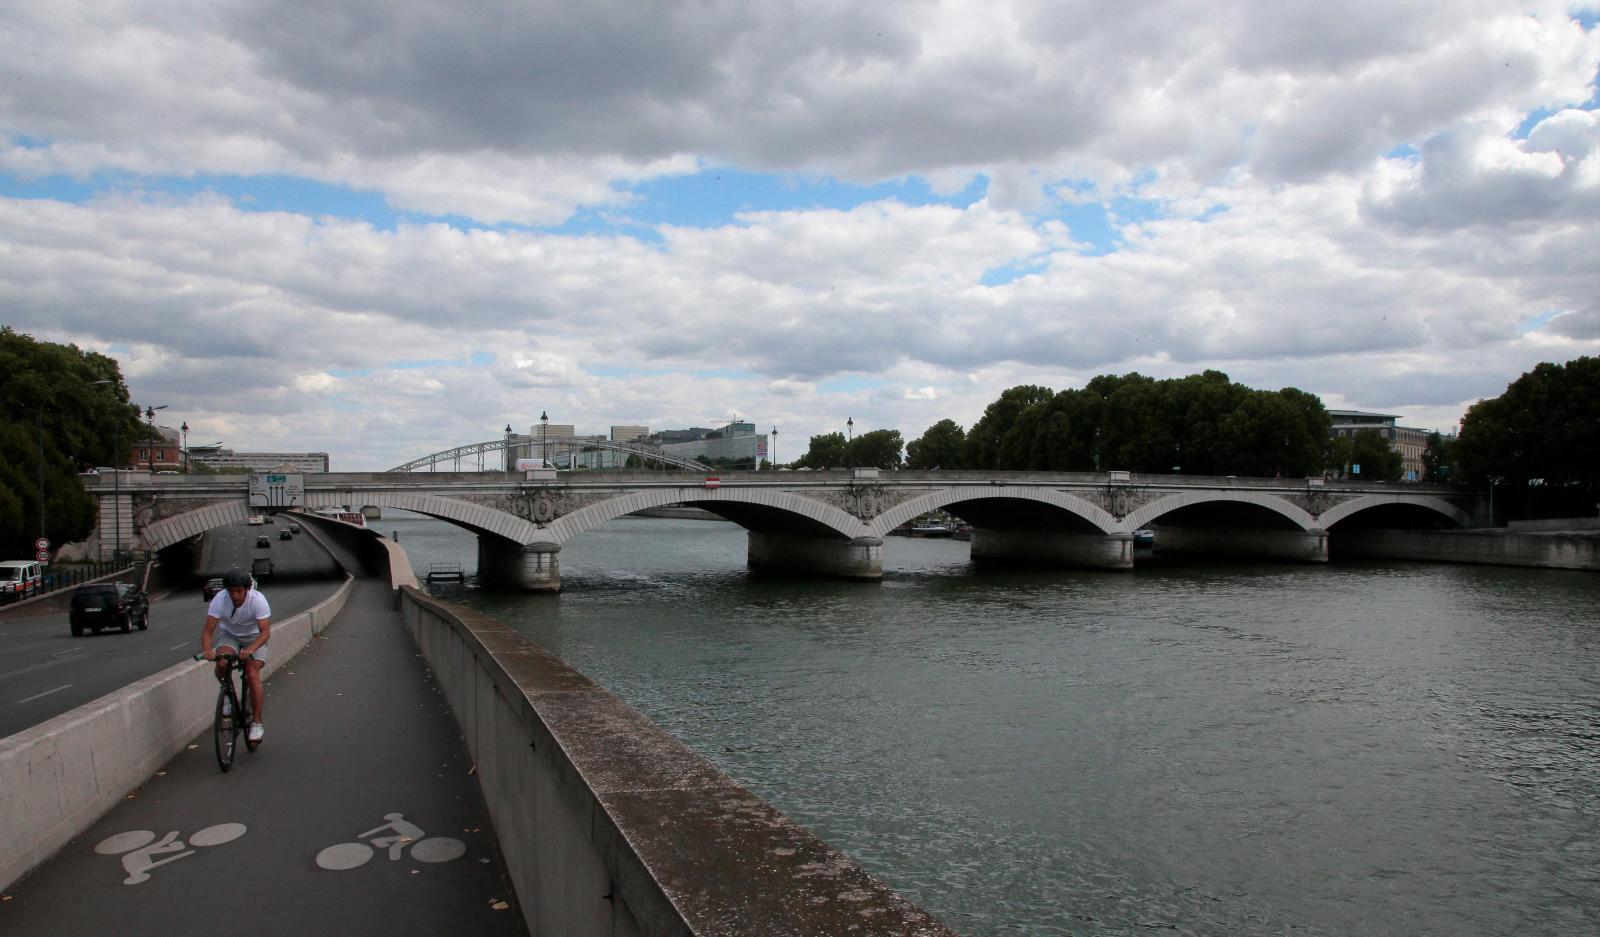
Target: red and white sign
<point>713,481</point>
<point>41,544</point>
<point>42,556</point>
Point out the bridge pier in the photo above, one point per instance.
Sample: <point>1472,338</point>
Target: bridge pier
<point>1095,551</point>
<point>532,567</point>
<point>861,558</point>
<point>1297,546</point>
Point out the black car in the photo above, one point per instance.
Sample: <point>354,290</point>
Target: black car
<point>263,541</point>
<point>285,535</point>
<point>108,605</point>
<point>213,586</point>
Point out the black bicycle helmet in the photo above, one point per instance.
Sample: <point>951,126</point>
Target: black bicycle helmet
<point>235,577</point>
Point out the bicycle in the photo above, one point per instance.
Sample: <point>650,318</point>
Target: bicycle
<point>233,711</point>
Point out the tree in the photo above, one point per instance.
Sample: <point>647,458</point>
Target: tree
<point>985,437</point>
<point>51,405</point>
<point>1379,461</point>
<point>1546,426</point>
<point>826,451</point>
<point>1438,458</point>
<point>942,446</point>
<point>877,449</point>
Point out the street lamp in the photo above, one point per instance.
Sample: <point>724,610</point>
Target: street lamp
<point>849,434</point>
<point>774,453</point>
<point>150,420</point>
<point>509,463</point>
<point>544,439</point>
<point>184,429</point>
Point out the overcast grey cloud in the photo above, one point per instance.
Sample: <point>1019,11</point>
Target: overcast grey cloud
<point>382,229</point>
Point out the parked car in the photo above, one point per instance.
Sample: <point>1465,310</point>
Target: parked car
<point>108,605</point>
<point>213,586</point>
<point>284,534</point>
<point>263,541</point>
<point>20,579</point>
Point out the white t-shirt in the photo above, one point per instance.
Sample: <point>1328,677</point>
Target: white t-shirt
<point>239,622</point>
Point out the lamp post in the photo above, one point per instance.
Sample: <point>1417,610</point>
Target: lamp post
<point>38,414</point>
<point>544,439</point>
<point>184,429</point>
<point>150,420</point>
<point>849,434</point>
<point>774,453</point>
<point>510,463</point>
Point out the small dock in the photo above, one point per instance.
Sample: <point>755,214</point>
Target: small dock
<point>446,572</point>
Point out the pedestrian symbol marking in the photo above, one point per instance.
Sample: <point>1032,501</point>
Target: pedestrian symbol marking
<point>139,848</point>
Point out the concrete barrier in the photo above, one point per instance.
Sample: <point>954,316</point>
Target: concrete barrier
<point>59,777</point>
<point>611,826</point>
<point>1489,546</point>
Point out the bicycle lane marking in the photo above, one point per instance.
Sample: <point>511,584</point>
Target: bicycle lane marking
<point>139,848</point>
<point>342,857</point>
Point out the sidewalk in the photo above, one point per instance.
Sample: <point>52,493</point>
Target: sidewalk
<point>356,733</point>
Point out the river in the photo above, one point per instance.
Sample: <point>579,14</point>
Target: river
<point>1366,749</point>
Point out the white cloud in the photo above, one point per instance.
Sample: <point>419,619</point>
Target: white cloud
<point>1331,197</point>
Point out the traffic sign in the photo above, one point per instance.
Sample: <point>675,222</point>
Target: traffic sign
<point>42,556</point>
<point>41,544</point>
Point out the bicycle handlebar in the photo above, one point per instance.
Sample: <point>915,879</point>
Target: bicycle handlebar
<point>220,656</point>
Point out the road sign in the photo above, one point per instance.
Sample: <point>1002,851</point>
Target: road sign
<point>277,491</point>
<point>41,544</point>
<point>42,556</point>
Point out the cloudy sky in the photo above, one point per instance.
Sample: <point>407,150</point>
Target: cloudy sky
<point>382,228</point>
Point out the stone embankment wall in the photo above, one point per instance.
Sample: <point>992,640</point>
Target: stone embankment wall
<point>609,825</point>
<point>1493,546</point>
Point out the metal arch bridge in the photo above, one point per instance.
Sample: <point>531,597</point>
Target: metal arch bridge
<point>557,446</point>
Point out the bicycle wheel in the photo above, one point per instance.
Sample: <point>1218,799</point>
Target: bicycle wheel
<point>225,727</point>
<point>246,716</point>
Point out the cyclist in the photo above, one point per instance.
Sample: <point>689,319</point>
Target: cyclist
<point>240,620</point>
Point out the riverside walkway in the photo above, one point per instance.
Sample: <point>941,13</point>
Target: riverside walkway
<point>360,748</point>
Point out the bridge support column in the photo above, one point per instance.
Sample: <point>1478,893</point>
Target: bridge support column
<point>1299,546</point>
<point>861,558</point>
<point>533,567</point>
<point>1095,551</point>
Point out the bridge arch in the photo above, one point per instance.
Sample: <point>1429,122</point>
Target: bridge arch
<point>474,517</point>
<point>1292,512</point>
<point>943,498</point>
<point>1346,509</point>
<point>817,515</point>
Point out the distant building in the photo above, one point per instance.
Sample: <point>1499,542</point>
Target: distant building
<point>735,442</point>
<point>218,459</point>
<point>629,433</point>
<point>157,455</point>
<point>1410,442</point>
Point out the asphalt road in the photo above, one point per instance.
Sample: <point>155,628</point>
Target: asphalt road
<point>45,671</point>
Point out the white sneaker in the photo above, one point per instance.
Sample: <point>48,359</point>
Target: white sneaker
<point>256,732</point>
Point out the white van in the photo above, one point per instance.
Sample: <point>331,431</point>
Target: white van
<point>20,579</point>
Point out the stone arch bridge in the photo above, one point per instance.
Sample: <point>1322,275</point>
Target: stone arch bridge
<point>831,522</point>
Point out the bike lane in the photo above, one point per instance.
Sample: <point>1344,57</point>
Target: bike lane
<point>359,814</point>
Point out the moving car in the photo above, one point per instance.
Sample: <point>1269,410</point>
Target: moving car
<point>213,586</point>
<point>263,541</point>
<point>294,528</point>
<point>106,605</point>
<point>285,535</point>
<point>260,568</point>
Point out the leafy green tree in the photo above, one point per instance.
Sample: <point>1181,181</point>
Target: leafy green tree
<point>877,449</point>
<point>1379,461</point>
<point>943,445</point>
<point>1545,427</point>
<point>52,407</point>
<point>1438,459</point>
<point>984,440</point>
<point>826,451</point>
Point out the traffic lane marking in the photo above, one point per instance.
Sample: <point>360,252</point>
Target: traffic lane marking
<point>58,689</point>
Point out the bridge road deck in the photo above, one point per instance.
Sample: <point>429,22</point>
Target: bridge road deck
<point>355,731</point>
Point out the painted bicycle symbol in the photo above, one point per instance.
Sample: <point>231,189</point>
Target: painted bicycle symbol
<point>140,847</point>
<point>402,833</point>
